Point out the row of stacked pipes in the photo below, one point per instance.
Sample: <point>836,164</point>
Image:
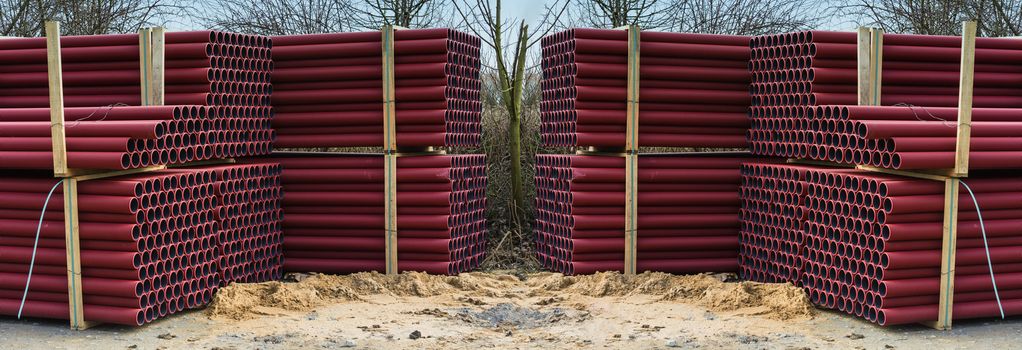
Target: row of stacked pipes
<point>218,207</point>
<point>860,242</point>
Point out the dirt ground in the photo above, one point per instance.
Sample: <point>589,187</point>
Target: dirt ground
<point>477,310</point>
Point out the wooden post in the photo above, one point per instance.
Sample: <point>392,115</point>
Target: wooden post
<point>948,253</point>
<point>965,89</point>
<point>632,152</point>
<point>862,62</point>
<point>390,150</point>
<point>870,65</point>
<point>145,68</point>
<point>876,64</point>
<point>157,66</point>
<point>56,83</point>
<point>949,242</point>
<point>76,306</point>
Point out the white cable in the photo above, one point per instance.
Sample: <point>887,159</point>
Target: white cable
<point>35,246</point>
<point>990,265</point>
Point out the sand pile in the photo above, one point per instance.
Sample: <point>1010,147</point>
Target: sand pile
<point>773,300</point>
<point>778,301</point>
<point>246,300</point>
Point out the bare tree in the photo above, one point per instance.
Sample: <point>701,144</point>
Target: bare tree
<point>648,14</point>
<point>744,17</point>
<point>80,17</point>
<point>999,17</point>
<point>22,17</point>
<point>940,17</point>
<point>937,17</point>
<point>374,14</point>
<point>281,17</point>
<point>509,40</point>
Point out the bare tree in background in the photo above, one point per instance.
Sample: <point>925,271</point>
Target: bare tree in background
<point>281,17</point>
<point>744,17</point>
<point>22,17</point>
<point>940,17</point>
<point>648,14</point>
<point>937,17</point>
<point>509,40</point>
<point>81,17</point>
<point>373,14</point>
<point>1000,17</point>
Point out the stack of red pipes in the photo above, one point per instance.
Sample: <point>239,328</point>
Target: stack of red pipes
<point>250,218</point>
<point>334,212</point>
<point>872,243</point>
<point>687,212</point>
<point>772,217</point>
<point>894,137</point>
<point>111,137</point>
<point>148,246</point>
<point>694,89</point>
<point>230,72</point>
<point>795,72</point>
<point>152,244</point>
<point>329,89</point>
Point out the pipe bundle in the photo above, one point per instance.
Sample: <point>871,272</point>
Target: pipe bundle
<point>148,246</point>
<point>895,137</point>
<point>230,72</point>
<point>329,89</point>
<point>794,73</point>
<point>121,137</point>
<point>250,218</point>
<point>872,243</point>
<point>693,88</point>
<point>687,212</point>
<point>151,244</point>
<point>771,217</point>
<point>334,212</point>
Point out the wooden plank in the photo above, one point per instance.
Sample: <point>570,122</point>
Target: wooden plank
<point>949,242</point>
<point>936,175</point>
<point>73,251</point>
<point>862,62</point>
<point>145,42</point>
<point>631,208</point>
<point>632,114</point>
<point>965,89</point>
<point>389,108</point>
<point>390,150</point>
<point>632,152</point>
<point>948,252</point>
<point>876,65</point>
<point>86,175</point>
<point>390,175</point>
<point>56,87</point>
<point>157,77</point>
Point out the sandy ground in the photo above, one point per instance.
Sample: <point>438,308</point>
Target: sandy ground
<point>548,311</point>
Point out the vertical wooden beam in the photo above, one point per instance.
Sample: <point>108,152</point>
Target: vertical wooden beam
<point>949,242</point>
<point>632,114</point>
<point>862,62</point>
<point>158,58</point>
<point>965,89</point>
<point>876,64</point>
<point>56,87</point>
<point>73,249</point>
<point>145,68</point>
<point>632,152</point>
<point>631,206</point>
<point>948,252</point>
<point>869,59</point>
<point>390,150</point>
